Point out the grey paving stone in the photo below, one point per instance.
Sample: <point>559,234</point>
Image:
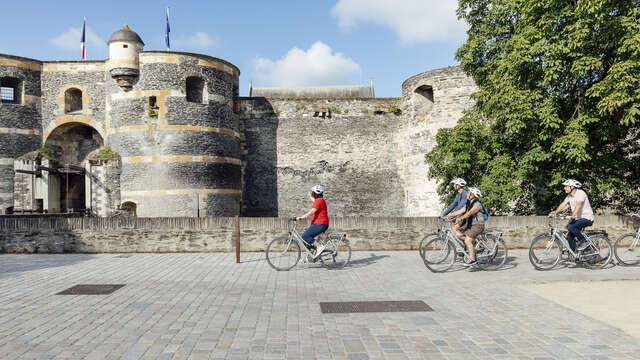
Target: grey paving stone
<point>135,353</point>
<point>181,306</point>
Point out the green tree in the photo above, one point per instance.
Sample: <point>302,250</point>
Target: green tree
<point>559,97</point>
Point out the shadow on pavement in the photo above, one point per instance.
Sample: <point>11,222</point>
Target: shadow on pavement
<point>19,263</point>
<point>373,258</point>
<point>510,263</point>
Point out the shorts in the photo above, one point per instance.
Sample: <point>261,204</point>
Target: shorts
<point>474,231</point>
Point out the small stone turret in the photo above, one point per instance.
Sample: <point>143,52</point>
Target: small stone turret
<point>123,64</point>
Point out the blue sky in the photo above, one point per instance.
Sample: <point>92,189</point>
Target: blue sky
<point>274,43</point>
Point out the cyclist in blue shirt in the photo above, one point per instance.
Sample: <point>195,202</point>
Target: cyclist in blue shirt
<point>460,200</point>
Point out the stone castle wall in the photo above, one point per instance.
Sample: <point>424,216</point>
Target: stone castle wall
<point>451,91</point>
<point>219,155</point>
<point>370,160</point>
<point>351,150</point>
<point>20,124</point>
<point>179,157</point>
<point>87,76</point>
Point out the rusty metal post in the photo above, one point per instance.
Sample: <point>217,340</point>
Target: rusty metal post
<point>237,239</point>
<point>67,194</point>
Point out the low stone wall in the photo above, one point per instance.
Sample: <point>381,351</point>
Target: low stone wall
<point>98,235</point>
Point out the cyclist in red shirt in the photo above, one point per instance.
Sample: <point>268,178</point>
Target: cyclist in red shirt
<point>319,218</point>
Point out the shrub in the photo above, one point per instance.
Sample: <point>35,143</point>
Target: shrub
<point>106,153</point>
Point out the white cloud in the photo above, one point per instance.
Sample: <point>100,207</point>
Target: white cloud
<point>70,39</point>
<point>316,66</point>
<point>412,20</point>
<point>197,41</point>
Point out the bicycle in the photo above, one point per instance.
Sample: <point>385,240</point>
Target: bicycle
<point>626,247</point>
<point>547,249</point>
<point>284,253</point>
<point>428,238</point>
<point>439,254</point>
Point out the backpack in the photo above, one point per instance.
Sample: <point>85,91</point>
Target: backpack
<point>485,213</point>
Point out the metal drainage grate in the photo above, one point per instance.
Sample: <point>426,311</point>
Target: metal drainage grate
<point>373,306</point>
<point>86,289</point>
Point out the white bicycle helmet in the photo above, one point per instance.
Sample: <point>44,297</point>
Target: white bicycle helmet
<point>317,189</point>
<point>459,181</point>
<point>476,192</point>
<point>570,182</point>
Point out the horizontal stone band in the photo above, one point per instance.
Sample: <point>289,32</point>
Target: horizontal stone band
<point>181,158</point>
<point>181,192</point>
<point>174,128</point>
<point>20,64</point>
<point>6,196</point>
<point>6,161</point>
<point>19,131</point>
<point>74,66</point>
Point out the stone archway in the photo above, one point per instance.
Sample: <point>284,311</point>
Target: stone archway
<point>129,208</point>
<point>70,144</point>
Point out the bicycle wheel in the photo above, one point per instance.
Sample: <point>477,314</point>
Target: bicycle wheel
<point>439,254</point>
<point>424,242</point>
<point>494,254</point>
<point>283,253</point>
<point>627,249</point>
<point>337,254</point>
<point>597,255</point>
<point>544,252</point>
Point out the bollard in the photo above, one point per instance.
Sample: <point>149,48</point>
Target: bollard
<point>237,239</point>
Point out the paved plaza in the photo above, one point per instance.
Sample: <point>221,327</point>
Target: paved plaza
<point>205,306</point>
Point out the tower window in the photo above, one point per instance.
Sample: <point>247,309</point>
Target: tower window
<point>10,90</point>
<point>72,100</point>
<point>7,94</point>
<point>426,91</point>
<point>125,46</point>
<point>195,89</point>
<point>152,102</point>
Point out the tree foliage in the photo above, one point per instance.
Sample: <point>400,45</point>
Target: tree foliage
<point>559,97</point>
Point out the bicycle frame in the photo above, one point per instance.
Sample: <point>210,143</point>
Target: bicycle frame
<point>294,234</point>
<point>557,233</point>
<point>461,248</point>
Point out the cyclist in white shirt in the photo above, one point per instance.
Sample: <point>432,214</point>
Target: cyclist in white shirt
<point>581,213</point>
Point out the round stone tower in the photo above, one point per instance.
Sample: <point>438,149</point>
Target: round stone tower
<point>20,117</point>
<point>176,129</point>
<point>123,64</point>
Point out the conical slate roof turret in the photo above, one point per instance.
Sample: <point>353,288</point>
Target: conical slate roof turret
<point>125,34</point>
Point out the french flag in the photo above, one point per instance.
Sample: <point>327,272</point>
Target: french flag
<point>83,38</point>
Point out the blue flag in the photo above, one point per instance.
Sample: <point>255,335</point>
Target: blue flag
<point>166,34</point>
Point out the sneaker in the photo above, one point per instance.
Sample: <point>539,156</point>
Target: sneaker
<point>319,251</point>
<point>583,245</point>
<point>470,263</point>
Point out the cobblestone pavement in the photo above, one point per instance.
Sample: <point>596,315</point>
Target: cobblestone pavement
<point>204,306</point>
